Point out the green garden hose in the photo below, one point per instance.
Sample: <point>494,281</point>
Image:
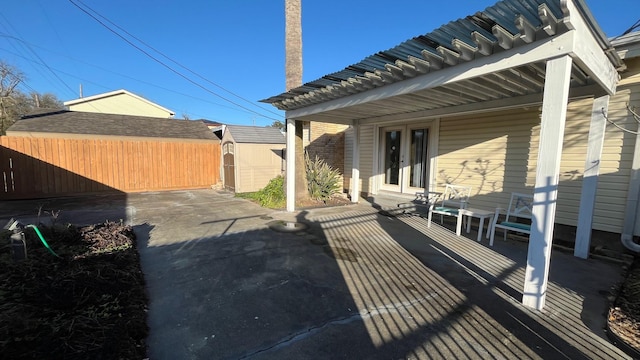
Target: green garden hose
<point>44,242</point>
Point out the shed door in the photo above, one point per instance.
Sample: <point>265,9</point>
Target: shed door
<point>229,168</point>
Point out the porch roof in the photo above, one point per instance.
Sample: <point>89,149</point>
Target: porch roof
<point>494,58</point>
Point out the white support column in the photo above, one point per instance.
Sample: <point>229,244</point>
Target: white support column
<point>632,207</point>
<point>291,165</point>
<point>590,178</point>
<point>355,167</point>
<point>554,114</point>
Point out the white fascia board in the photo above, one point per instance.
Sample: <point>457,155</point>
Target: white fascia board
<point>522,55</point>
<point>94,97</point>
<point>588,54</point>
<point>480,107</point>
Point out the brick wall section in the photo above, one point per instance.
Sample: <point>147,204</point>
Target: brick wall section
<point>327,141</point>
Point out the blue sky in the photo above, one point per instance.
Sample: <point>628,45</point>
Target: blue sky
<point>236,45</point>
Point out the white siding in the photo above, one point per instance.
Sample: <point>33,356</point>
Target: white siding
<point>348,157</point>
<point>617,156</point>
<point>490,152</point>
<point>496,154</point>
<point>366,158</point>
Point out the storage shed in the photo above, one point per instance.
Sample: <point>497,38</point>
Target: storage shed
<point>252,156</point>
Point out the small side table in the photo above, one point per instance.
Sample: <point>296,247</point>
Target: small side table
<point>477,213</point>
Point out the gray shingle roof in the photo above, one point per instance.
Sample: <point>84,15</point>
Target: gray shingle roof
<point>76,122</point>
<point>256,134</point>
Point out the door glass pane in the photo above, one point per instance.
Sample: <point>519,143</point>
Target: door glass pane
<point>392,158</point>
<point>418,158</point>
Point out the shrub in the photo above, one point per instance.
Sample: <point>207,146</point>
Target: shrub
<point>271,196</point>
<point>323,181</point>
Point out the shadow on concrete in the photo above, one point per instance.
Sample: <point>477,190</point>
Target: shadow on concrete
<point>248,292</point>
<point>353,284</point>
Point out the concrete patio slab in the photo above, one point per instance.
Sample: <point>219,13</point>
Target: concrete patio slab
<point>354,284</point>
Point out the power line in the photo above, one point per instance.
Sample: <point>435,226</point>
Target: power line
<point>116,73</point>
<point>174,61</point>
<point>167,66</point>
<point>39,58</point>
<point>633,27</point>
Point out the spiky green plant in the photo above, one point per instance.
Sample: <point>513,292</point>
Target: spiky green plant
<point>323,180</point>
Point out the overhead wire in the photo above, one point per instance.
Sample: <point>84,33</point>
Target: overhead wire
<point>174,61</point>
<point>115,73</point>
<point>633,27</point>
<point>167,66</point>
<point>39,58</point>
<point>23,50</point>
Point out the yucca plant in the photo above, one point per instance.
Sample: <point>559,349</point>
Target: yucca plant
<point>323,180</point>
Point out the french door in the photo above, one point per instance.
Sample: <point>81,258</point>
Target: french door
<point>403,158</point>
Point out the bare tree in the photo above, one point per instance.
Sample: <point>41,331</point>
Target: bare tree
<point>278,125</point>
<point>293,74</point>
<point>10,78</point>
<point>14,103</point>
<point>47,101</point>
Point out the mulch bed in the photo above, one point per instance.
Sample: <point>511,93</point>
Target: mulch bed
<point>88,303</point>
<point>624,316</point>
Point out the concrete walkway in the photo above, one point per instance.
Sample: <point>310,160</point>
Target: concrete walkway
<point>354,284</point>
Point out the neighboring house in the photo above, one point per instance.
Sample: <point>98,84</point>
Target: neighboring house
<point>76,125</point>
<point>482,101</point>
<point>252,156</point>
<point>119,102</point>
<point>210,124</point>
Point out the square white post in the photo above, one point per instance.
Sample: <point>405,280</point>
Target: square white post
<point>590,177</point>
<point>554,114</point>
<point>355,167</point>
<point>291,165</point>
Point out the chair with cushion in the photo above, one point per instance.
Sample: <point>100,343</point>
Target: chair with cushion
<point>454,198</point>
<point>517,217</point>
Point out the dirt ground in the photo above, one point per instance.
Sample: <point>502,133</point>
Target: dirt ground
<point>83,297</point>
<point>624,316</point>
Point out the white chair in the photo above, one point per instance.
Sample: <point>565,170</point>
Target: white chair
<point>423,200</point>
<point>517,217</point>
<point>454,198</point>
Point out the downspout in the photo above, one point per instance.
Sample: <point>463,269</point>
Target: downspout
<point>633,197</point>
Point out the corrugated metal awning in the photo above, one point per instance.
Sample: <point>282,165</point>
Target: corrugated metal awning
<point>476,40</point>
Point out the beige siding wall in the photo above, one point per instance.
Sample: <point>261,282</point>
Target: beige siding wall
<point>123,104</point>
<point>496,153</point>
<point>366,158</point>
<point>617,159</point>
<point>614,166</point>
<point>256,164</point>
<point>490,152</point>
<point>348,157</point>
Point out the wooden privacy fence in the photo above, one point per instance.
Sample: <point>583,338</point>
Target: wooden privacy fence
<point>44,167</point>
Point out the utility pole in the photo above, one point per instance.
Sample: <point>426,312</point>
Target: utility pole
<point>293,71</point>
